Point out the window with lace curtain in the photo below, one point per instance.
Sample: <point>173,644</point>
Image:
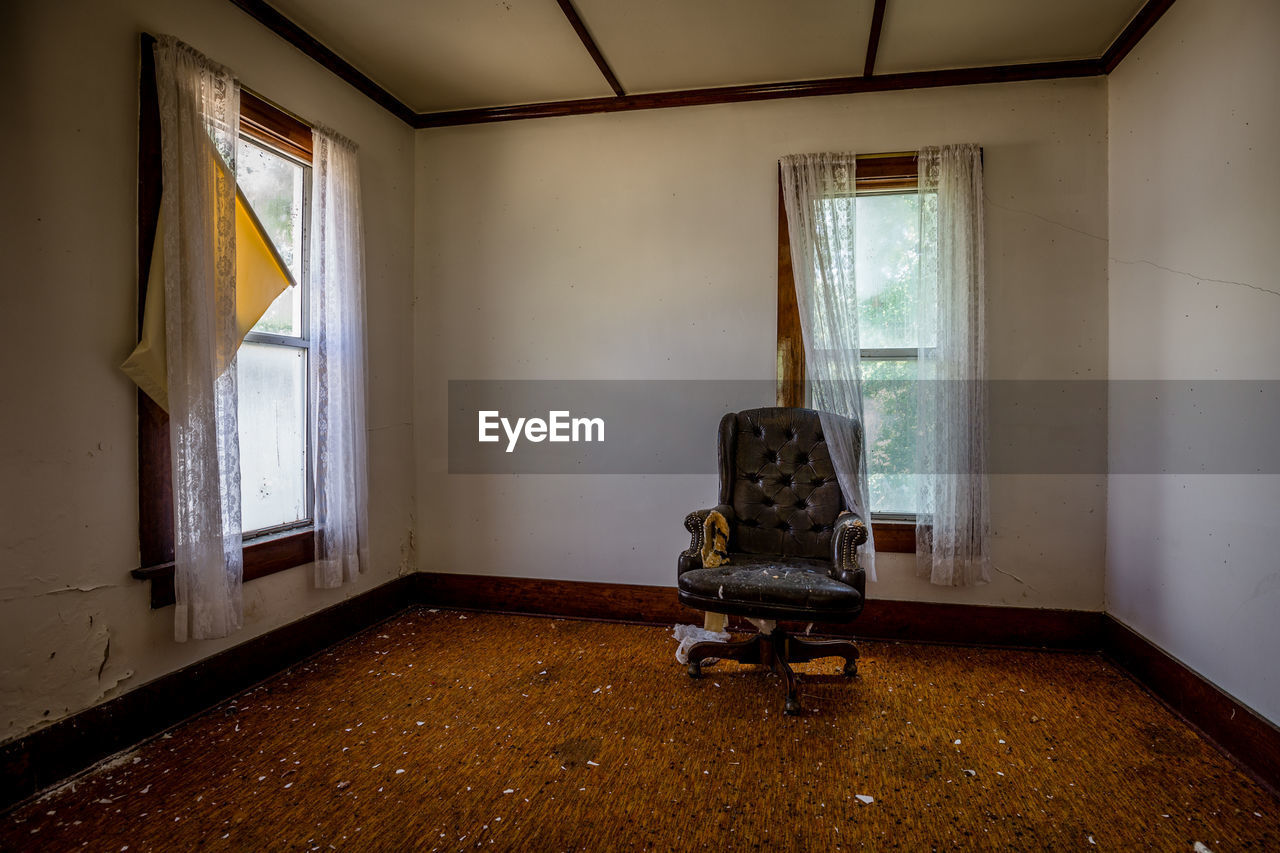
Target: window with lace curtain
<point>251,352</point>
<point>274,155</point>
<point>887,268</point>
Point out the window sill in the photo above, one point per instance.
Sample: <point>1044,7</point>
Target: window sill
<point>263,556</point>
<point>895,537</point>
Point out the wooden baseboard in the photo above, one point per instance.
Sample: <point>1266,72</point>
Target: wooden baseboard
<point>611,602</point>
<point>62,749</point>
<point>1235,728</point>
<point>978,625</point>
<point>913,621</point>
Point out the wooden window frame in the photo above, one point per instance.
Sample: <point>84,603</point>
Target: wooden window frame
<point>875,173</point>
<point>266,553</point>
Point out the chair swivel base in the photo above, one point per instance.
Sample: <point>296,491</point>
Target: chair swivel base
<point>777,650</point>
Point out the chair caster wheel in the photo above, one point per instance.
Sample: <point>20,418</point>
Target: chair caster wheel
<point>792,706</point>
<point>695,670</point>
<point>851,669</point>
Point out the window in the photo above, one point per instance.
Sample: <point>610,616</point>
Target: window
<point>274,154</point>
<point>886,267</point>
<point>273,361</point>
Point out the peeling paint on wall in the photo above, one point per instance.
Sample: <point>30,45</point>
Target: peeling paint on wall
<point>68,667</point>
<point>12,594</point>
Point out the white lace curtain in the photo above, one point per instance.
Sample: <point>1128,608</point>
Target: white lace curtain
<point>199,121</point>
<point>951,529</point>
<point>820,195</point>
<point>338,372</point>
<point>200,108</point>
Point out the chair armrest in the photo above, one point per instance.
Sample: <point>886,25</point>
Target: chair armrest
<point>695,522</point>
<point>850,532</point>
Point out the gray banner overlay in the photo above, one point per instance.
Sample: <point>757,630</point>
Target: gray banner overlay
<point>1034,426</point>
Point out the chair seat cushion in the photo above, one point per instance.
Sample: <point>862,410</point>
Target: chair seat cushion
<point>771,581</point>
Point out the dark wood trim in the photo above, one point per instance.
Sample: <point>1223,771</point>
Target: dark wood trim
<point>1231,725</point>
<point>261,558</point>
<point>155,485</point>
<point>579,27</point>
<point>873,38</point>
<point>975,625</point>
<point>268,123</point>
<point>791,368</point>
<point>894,537</point>
<point>878,172</point>
<point>610,602</point>
<point>295,35</point>
<point>45,757</point>
<point>277,553</point>
<point>1133,33</point>
<point>868,82</point>
<point>149,165</point>
<point>909,621</point>
<point>769,91</point>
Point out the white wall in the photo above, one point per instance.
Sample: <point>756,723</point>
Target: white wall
<point>643,245</point>
<point>1195,213</point>
<point>74,627</point>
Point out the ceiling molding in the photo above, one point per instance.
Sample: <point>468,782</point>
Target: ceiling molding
<point>575,20</point>
<point>1142,23</point>
<point>770,91</point>
<point>1132,34</point>
<point>314,48</point>
<point>873,37</point>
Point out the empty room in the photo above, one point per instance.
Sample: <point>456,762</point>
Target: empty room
<point>668,425</point>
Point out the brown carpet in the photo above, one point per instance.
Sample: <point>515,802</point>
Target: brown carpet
<point>451,731</point>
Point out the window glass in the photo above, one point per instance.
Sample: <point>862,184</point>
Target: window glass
<point>274,186</point>
<point>889,411</point>
<point>273,427</point>
<point>887,269</point>
<point>273,360</point>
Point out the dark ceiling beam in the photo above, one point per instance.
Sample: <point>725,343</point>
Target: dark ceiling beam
<point>575,20</point>
<point>873,38</point>
<point>1138,27</point>
<point>769,91</point>
<point>312,47</point>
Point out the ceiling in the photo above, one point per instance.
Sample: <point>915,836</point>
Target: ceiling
<point>439,56</point>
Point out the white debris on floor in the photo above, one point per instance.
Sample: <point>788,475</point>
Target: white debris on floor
<point>688,635</point>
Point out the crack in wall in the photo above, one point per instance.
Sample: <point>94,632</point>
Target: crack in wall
<point>1053,222</point>
<point>408,552</point>
<point>1015,577</point>
<point>1140,261</point>
<point>1197,278</point>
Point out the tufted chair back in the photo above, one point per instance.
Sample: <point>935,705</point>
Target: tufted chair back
<point>776,473</point>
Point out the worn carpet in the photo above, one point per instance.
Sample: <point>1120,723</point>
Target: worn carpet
<point>445,730</point>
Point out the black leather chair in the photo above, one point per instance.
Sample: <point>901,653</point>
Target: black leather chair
<point>792,544</point>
